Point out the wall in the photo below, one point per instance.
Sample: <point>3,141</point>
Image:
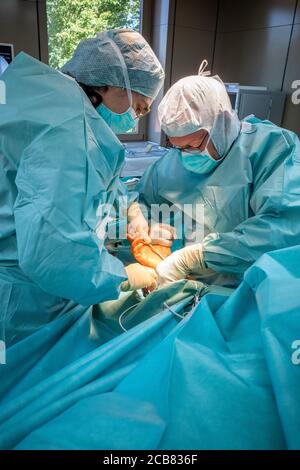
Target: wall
<point>291,118</point>
<point>161,39</point>
<point>258,43</point>
<point>183,34</point>
<point>253,43</point>
<point>194,36</point>
<point>23,23</point>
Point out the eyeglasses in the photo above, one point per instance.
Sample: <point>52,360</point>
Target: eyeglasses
<point>143,113</point>
<point>192,148</point>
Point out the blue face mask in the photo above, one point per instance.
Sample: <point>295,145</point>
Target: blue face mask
<point>119,123</point>
<point>199,162</point>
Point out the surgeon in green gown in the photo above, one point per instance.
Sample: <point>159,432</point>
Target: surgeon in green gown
<point>245,174</point>
<point>60,161</point>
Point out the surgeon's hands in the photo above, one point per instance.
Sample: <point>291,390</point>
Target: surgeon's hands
<point>158,234</point>
<point>137,224</point>
<point>139,277</point>
<point>180,264</point>
<point>162,234</point>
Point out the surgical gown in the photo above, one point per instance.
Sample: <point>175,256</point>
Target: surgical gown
<point>59,163</point>
<point>251,200</point>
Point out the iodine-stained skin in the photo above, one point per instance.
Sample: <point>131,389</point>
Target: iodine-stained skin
<point>149,254</point>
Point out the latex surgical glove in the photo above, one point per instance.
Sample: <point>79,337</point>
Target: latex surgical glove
<point>137,224</point>
<point>180,264</point>
<point>162,234</point>
<point>139,277</point>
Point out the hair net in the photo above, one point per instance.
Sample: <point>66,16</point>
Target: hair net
<point>112,58</point>
<point>200,102</point>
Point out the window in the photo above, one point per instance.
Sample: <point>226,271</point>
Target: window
<point>70,21</point>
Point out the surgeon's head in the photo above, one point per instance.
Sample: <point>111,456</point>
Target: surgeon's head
<point>121,75</point>
<point>197,116</point>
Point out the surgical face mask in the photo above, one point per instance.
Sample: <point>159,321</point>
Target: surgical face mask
<point>119,123</point>
<point>199,162</point>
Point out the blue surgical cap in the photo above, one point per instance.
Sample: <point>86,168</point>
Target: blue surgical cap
<point>100,61</point>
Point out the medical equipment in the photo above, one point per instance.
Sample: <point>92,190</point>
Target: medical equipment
<point>189,303</point>
<point>139,156</point>
<point>263,103</point>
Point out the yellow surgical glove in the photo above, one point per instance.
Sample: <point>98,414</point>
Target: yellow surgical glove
<point>139,277</point>
<point>180,263</point>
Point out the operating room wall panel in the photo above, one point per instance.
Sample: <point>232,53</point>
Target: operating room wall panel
<point>43,31</point>
<point>235,15</point>
<point>291,118</point>
<point>297,19</point>
<point>183,35</point>
<point>255,57</point>
<point>200,14</point>
<point>162,40</point>
<point>161,12</point>
<point>159,40</point>
<point>191,46</point>
<point>19,25</point>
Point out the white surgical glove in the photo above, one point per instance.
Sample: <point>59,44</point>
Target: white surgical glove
<point>162,234</point>
<point>139,277</point>
<point>181,263</point>
<point>137,224</point>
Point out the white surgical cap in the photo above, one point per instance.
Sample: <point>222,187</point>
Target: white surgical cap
<point>96,62</point>
<point>200,102</point>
